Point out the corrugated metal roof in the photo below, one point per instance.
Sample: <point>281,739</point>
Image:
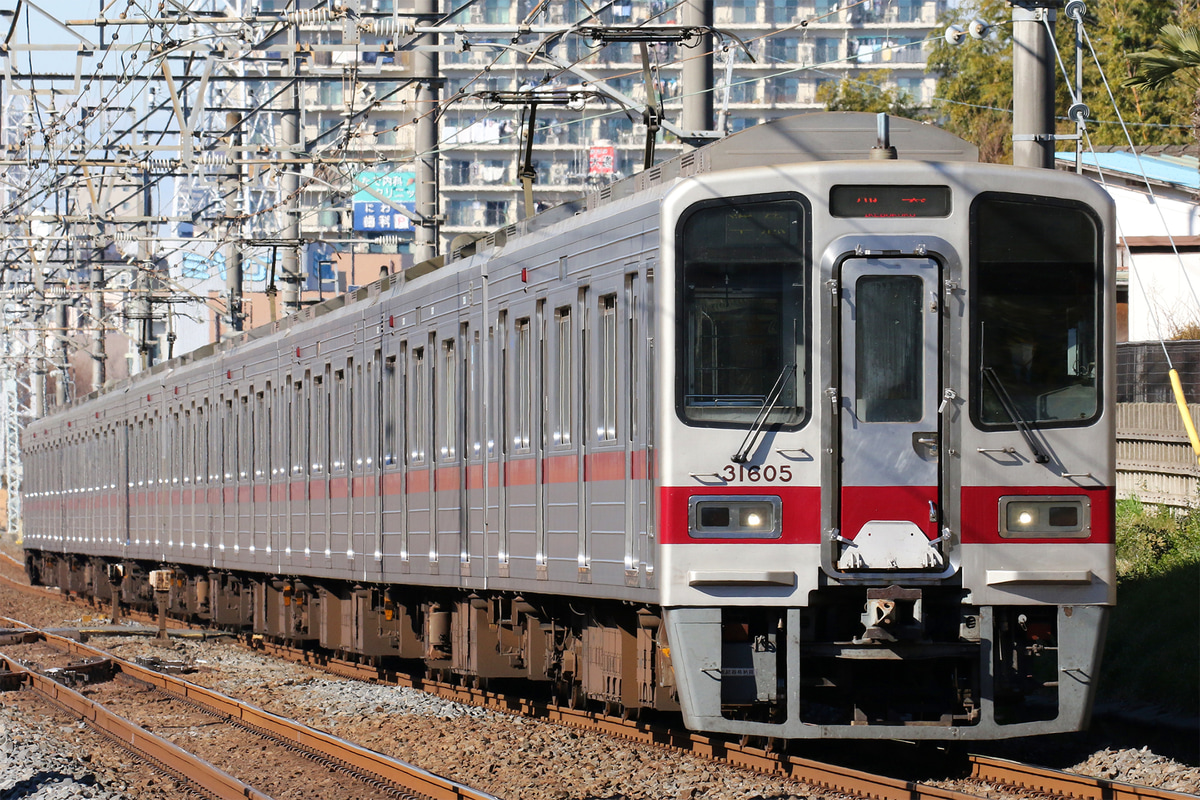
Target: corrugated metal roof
<point>1181,171</point>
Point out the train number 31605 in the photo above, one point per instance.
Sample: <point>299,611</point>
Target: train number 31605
<point>767,474</point>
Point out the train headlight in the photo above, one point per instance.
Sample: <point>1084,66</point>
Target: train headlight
<point>734,517</point>
<point>1045,517</point>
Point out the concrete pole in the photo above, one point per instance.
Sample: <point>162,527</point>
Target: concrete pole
<point>37,380</point>
<point>289,268</point>
<point>231,187</point>
<point>60,346</point>
<point>1033,84</point>
<point>425,70</point>
<point>99,355</point>
<point>697,74</point>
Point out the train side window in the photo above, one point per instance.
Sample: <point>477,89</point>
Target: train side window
<point>1036,285</point>
<point>339,412</point>
<point>277,435</point>
<point>189,445</point>
<point>372,388</point>
<point>417,422</point>
<point>150,453</point>
<point>473,406</point>
<point>201,462</point>
<point>742,328</point>
<point>320,423</point>
<point>450,407</point>
<point>354,417</point>
<point>564,371</point>
<point>299,436</point>
<point>523,408</point>
<point>246,440</point>
<point>606,429</point>
<point>228,443</point>
<point>391,411</point>
<point>262,430</point>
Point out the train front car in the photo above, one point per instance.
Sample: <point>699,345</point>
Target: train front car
<point>886,449</point>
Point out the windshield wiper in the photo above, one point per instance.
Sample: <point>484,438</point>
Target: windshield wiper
<point>1010,409</point>
<point>743,453</point>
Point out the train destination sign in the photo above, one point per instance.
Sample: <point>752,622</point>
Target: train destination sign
<point>871,200</point>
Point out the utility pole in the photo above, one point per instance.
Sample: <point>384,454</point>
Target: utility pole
<point>425,69</point>
<point>99,355</point>
<point>63,367</point>
<point>1033,82</point>
<point>290,266</point>
<point>232,189</point>
<point>697,74</point>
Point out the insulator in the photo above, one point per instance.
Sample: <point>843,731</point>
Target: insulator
<point>213,158</point>
<point>389,26</point>
<point>309,16</point>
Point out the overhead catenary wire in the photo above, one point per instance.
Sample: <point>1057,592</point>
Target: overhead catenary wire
<point>1176,383</point>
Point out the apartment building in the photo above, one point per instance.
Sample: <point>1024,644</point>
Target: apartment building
<point>355,112</point>
<point>771,57</point>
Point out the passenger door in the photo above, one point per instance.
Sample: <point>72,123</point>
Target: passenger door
<point>890,360</point>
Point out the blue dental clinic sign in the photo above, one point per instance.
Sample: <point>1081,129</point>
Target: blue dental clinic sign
<point>371,214</point>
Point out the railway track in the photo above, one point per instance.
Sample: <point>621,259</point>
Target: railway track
<point>983,769</point>
<point>183,729</point>
<point>988,772</point>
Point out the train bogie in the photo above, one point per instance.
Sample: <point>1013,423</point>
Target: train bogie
<point>804,446</point>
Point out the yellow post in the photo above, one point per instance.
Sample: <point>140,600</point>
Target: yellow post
<point>1185,413</point>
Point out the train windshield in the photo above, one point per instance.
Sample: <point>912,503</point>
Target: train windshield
<point>1036,308</point>
<point>743,268</point>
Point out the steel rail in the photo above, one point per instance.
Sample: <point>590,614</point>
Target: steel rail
<point>983,768</point>
<point>401,774</point>
<point>828,776</point>
<point>164,755</point>
<point>1068,784</point>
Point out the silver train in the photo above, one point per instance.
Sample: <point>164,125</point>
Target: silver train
<point>800,439</point>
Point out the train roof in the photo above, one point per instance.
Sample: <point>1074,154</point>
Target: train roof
<point>824,136</point>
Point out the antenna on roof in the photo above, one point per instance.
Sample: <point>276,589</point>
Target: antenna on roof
<point>883,150</point>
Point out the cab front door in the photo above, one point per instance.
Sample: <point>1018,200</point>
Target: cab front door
<point>889,503</point>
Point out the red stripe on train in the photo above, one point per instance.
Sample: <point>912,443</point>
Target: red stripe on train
<point>801,507</point>
<point>981,513</point>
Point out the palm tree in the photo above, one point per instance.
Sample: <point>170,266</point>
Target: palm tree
<point>1177,58</point>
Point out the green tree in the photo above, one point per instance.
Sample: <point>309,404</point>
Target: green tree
<point>1176,59</point>
<point>868,93</point>
<point>975,83</point>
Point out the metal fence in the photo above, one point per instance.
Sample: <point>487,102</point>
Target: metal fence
<point>1155,461</point>
<point>1142,371</point>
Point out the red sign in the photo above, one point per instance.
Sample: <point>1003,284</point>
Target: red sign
<point>600,159</point>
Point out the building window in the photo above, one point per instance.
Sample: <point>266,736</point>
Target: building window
<point>495,12</point>
<point>496,213</point>
<point>784,10</point>
<point>743,11</point>
<point>826,50</point>
<point>782,89</point>
<point>783,48</point>
<point>385,131</point>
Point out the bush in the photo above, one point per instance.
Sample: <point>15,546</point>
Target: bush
<point>1154,540</point>
<point>1151,656</point>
